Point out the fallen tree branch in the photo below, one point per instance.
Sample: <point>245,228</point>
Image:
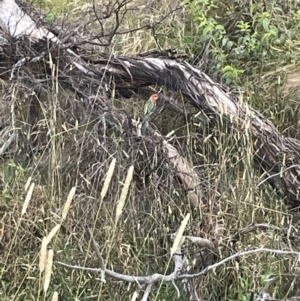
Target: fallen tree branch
<point>147,292</point>
<point>185,172</point>
<point>237,255</point>
<point>285,231</point>
<point>154,278</point>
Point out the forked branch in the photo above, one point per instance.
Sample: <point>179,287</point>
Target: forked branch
<point>175,276</point>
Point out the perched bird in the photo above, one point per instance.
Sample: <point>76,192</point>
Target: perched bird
<point>150,105</point>
<point>149,109</point>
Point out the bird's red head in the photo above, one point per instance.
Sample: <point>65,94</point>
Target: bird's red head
<point>154,98</point>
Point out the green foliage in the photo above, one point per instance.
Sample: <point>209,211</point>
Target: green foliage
<point>230,36</point>
<point>54,8</point>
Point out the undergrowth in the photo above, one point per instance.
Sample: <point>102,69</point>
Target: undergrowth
<point>65,146</point>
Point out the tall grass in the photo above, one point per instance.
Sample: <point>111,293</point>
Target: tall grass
<point>128,194</point>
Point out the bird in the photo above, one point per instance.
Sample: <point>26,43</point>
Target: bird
<point>149,109</point>
<point>150,105</point>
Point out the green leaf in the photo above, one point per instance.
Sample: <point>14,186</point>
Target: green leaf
<point>246,39</point>
<point>203,23</point>
<point>229,45</point>
<point>266,23</point>
<point>291,34</point>
<point>282,39</point>
<point>207,29</point>
<point>289,108</point>
<point>220,27</point>
<point>252,8</point>
<point>224,41</point>
<point>227,69</point>
<point>204,37</point>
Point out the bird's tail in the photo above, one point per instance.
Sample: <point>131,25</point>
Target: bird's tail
<point>145,124</point>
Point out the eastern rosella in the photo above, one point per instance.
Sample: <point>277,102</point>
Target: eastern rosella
<point>150,105</point>
<point>149,109</point>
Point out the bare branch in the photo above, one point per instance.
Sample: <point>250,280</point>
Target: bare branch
<point>175,275</point>
<point>6,145</point>
<point>101,260</point>
<point>202,242</point>
<point>236,255</point>
<point>23,61</point>
<point>147,292</point>
<point>252,228</point>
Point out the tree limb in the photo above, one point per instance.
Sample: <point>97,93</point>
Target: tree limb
<point>175,276</point>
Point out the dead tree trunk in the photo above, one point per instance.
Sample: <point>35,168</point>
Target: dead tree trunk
<point>278,156</point>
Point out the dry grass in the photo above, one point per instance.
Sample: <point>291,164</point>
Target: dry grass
<point>123,196</point>
<point>137,242</point>
<point>48,270</point>
<point>129,196</point>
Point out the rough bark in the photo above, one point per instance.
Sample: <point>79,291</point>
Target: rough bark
<point>277,155</point>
